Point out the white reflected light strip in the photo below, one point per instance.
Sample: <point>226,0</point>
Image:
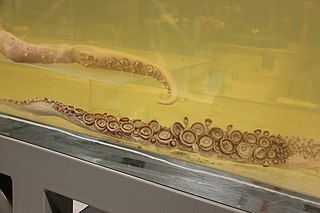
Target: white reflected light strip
<point>157,159</point>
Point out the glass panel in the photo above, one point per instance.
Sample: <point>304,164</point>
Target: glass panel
<point>245,73</point>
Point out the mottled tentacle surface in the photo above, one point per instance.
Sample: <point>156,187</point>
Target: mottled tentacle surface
<point>257,147</point>
<point>88,56</point>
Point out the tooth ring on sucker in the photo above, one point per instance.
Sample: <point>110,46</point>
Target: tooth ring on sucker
<point>177,128</point>
<point>244,150</point>
<point>88,56</point>
<point>206,142</point>
<point>188,138</point>
<point>101,124</point>
<point>217,133</point>
<point>198,128</point>
<point>164,137</point>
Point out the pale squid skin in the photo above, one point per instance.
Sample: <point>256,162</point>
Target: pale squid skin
<point>20,51</point>
<point>256,147</point>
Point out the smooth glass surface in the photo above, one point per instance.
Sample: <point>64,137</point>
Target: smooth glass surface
<point>252,64</point>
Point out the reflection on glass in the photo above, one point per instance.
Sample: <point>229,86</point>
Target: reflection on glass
<point>240,79</point>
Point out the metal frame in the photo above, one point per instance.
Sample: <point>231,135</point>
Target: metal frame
<point>35,169</point>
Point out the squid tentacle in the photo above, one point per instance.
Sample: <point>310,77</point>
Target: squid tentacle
<point>257,147</point>
<point>20,51</point>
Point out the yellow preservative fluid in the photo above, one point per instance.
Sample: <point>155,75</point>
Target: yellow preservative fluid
<point>239,81</point>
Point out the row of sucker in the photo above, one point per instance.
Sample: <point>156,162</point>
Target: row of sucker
<point>124,65</point>
<point>257,147</point>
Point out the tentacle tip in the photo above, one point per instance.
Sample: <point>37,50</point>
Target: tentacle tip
<point>170,98</point>
<point>167,101</point>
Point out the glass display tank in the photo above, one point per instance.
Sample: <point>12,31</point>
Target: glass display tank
<point>228,85</point>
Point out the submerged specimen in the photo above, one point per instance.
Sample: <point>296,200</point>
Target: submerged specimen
<point>88,56</point>
<point>257,147</point>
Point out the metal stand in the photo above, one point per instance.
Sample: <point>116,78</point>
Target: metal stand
<point>34,170</point>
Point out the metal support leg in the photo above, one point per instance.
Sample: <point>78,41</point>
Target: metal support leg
<point>35,169</point>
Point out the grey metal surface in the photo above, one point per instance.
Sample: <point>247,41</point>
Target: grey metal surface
<point>35,170</point>
<point>195,180</point>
